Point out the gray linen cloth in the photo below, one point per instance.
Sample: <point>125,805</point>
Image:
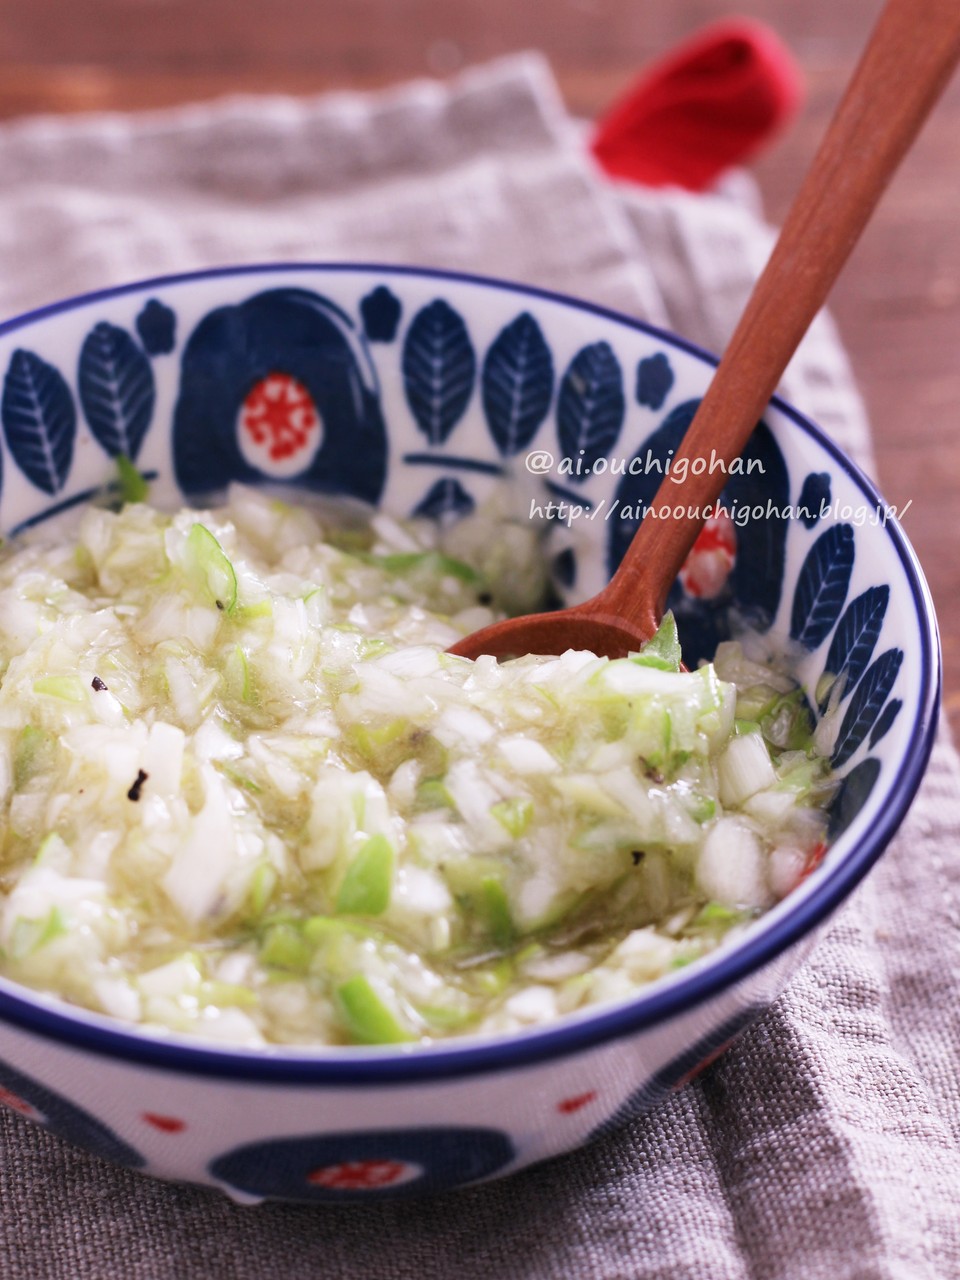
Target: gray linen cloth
<point>825,1144</point>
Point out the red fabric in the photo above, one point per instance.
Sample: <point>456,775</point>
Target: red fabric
<point>710,104</point>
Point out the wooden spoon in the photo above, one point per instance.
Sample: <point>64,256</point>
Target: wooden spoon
<point>904,68</point>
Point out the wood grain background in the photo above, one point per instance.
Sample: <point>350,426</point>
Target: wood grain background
<point>898,304</point>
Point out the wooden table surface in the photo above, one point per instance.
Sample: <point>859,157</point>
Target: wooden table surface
<point>898,304</point>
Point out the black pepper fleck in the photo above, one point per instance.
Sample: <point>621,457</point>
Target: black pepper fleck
<point>220,605</point>
<point>638,856</point>
<point>134,792</point>
<point>97,683</point>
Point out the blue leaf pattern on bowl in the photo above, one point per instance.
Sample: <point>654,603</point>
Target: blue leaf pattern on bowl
<point>381,310</point>
<point>157,327</point>
<point>853,794</point>
<point>866,705</point>
<point>565,567</point>
<point>444,500</point>
<point>855,638</point>
<point>39,420</point>
<point>439,369</point>
<point>814,498</point>
<point>116,388</point>
<point>654,380</point>
<point>885,722</point>
<point>590,407</point>
<point>517,384</point>
<point>822,586</point>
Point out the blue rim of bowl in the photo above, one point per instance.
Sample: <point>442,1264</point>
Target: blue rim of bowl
<point>347,1067</point>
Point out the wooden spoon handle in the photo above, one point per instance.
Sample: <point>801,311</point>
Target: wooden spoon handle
<point>911,54</point>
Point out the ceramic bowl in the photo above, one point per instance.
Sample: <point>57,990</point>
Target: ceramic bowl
<point>421,392</point>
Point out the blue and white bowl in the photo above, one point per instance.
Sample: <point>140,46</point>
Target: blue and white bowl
<point>422,392</point>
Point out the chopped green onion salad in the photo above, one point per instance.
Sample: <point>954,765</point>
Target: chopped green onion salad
<point>246,794</point>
